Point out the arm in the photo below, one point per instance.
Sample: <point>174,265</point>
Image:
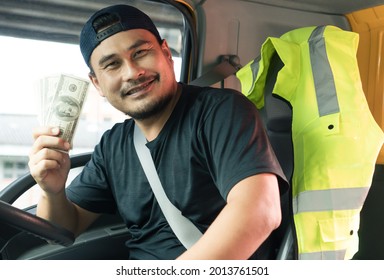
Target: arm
<point>251,214</point>
<point>58,209</point>
<point>50,167</point>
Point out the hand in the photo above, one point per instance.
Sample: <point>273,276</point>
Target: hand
<point>49,161</point>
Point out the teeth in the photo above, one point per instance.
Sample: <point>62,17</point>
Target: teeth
<point>138,89</point>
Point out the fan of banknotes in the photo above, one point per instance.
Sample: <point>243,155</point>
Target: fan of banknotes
<point>61,101</point>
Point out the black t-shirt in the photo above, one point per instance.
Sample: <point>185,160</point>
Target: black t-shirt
<point>213,139</point>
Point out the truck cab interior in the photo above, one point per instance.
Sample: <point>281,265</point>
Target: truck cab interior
<point>211,40</point>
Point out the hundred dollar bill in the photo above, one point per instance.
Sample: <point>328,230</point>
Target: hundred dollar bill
<point>66,104</point>
<point>47,88</point>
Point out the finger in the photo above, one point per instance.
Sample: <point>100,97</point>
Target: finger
<point>50,142</point>
<point>45,130</point>
<point>46,154</point>
<point>45,161</point>
<point>40,170</point>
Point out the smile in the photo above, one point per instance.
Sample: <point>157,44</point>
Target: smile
<point>138,89</point>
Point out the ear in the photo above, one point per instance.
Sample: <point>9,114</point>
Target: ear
<point>95,82</point>
<point>166,49</point>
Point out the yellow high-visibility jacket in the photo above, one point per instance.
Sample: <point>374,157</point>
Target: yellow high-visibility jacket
<point>335,139</point>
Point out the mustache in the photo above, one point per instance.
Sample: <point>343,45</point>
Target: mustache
<point>134,84</point>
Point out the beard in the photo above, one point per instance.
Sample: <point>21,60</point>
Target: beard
<point>151,109</point>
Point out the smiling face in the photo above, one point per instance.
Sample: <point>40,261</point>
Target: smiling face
<point>135,73</point>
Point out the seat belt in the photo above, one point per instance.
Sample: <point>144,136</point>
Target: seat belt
<point>184,229</point>
<point>229,65</point>
<point>187,233</point>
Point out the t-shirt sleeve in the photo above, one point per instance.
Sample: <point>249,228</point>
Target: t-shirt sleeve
<point>237,145</point>
<point>90,189</point>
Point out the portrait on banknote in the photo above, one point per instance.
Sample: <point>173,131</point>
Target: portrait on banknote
<point>66,108</point>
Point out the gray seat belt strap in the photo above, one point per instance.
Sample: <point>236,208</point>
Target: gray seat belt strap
<point>183,228</point>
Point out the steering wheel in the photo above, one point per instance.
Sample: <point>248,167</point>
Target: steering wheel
<point>13,219</point>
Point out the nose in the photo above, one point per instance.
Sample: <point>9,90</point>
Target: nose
<point>132,70</point>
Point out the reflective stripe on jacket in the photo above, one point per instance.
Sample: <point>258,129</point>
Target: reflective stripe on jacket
<point>335,139</point>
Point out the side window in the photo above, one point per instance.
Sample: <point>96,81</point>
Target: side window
<point>13,168</point>
<point>28,57</point>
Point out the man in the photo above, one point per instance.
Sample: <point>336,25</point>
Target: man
<point>208,145</point>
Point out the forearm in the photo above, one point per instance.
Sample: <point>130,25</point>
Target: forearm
<point>57,209</point>
<point>231,236</point>
<point>251,214</point>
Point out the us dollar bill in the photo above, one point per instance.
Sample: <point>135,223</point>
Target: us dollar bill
<point>65,103</point>
<point>47,89</point>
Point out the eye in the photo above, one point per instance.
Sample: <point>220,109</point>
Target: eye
<point>140,53</point>
<point>113,64</point>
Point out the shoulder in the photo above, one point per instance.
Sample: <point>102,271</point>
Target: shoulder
<point>219,98</point>
<point>113,142</point>
<point>117,133</point>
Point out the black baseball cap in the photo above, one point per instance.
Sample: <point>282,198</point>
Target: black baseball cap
<point>128,18</point>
